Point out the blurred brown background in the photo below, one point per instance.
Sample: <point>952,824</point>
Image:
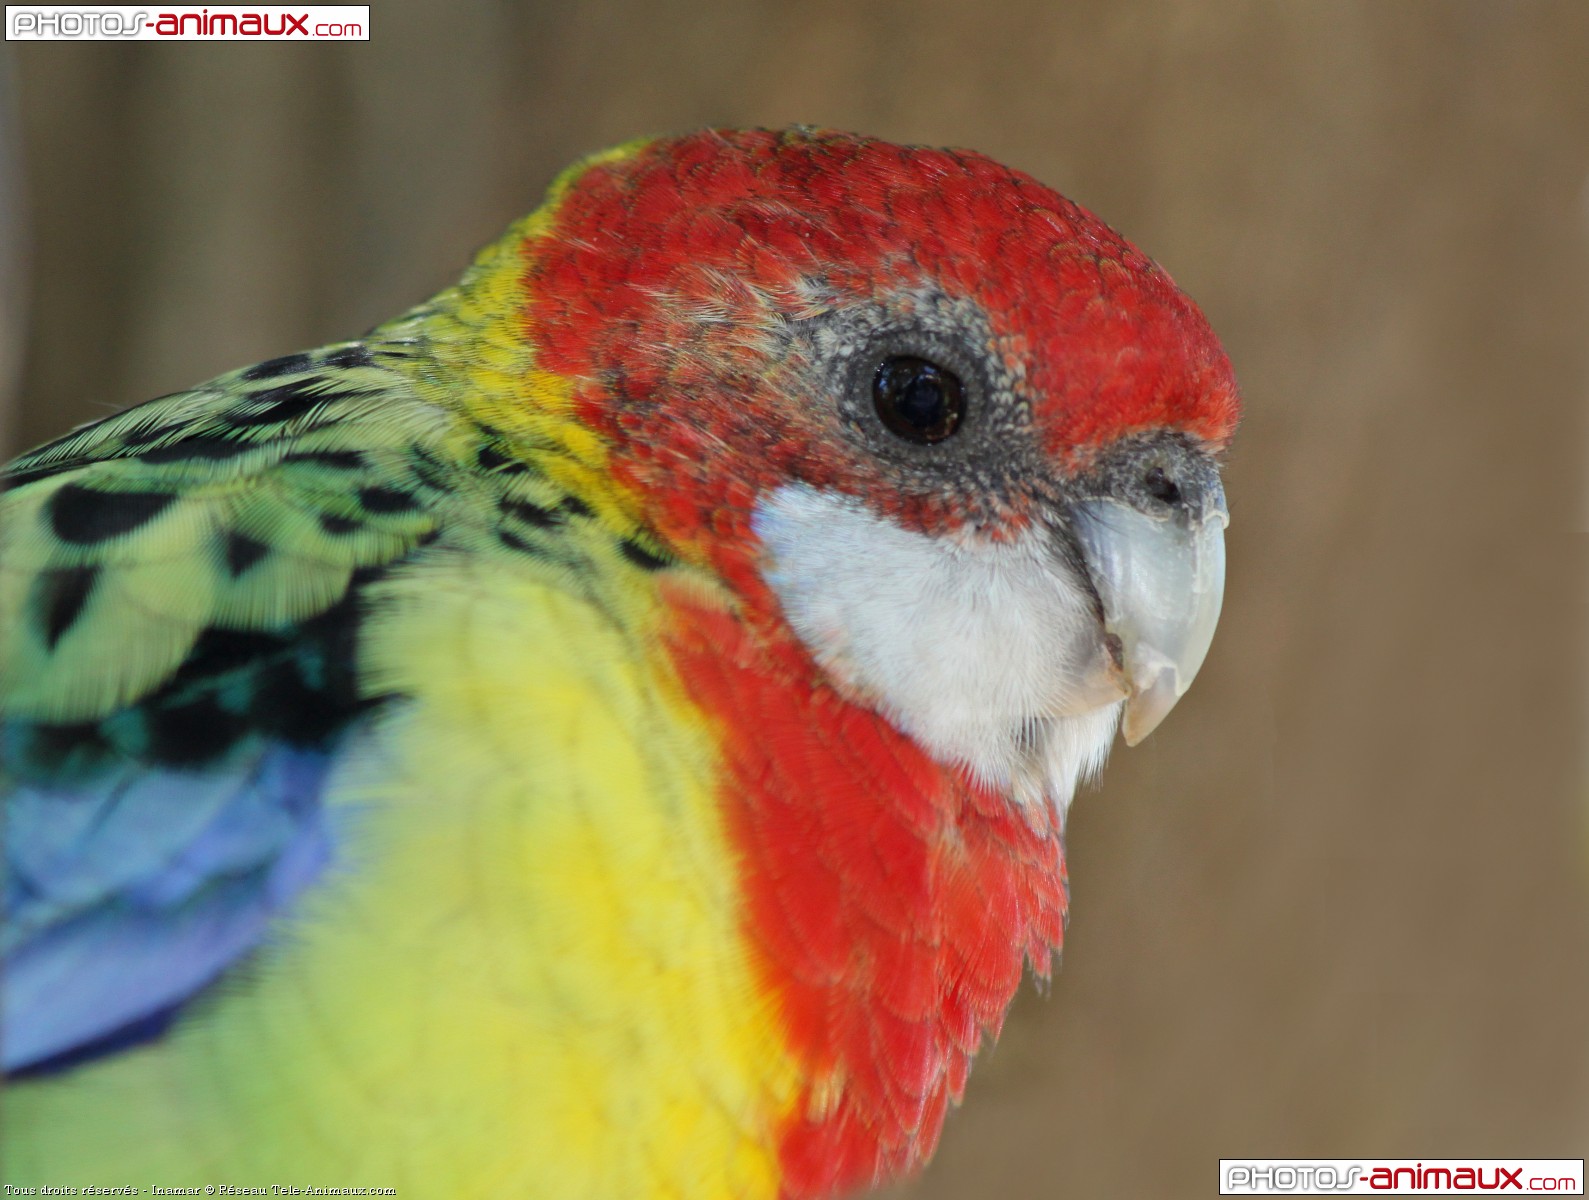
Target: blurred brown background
<point>1336,906</point>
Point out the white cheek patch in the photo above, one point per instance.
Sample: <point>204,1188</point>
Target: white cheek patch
<point>979,650</point>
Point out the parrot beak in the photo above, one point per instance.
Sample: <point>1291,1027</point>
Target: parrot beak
<point>1161,579</point>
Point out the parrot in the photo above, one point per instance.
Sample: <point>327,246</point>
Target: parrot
<point>608,731</point>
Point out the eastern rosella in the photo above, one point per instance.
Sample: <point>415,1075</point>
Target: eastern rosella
<point>607,732</point>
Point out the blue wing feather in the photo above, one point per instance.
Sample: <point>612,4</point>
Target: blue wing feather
<point>128,894</point>
<point>162,802</point>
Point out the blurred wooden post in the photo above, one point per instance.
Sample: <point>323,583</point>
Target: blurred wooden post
<point>12,294</point>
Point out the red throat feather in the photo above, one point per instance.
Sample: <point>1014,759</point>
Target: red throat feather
<point>890,904</point>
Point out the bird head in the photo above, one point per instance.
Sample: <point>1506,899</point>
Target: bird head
<point>959,436</point>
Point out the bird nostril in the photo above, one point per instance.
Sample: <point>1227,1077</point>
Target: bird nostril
<point>1161,487</point>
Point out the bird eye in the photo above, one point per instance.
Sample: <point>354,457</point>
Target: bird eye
<point>918,399</point>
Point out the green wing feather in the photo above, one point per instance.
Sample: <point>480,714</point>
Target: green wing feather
<point>139,555</point>
<point>246,504</point>
<point>186,589</point>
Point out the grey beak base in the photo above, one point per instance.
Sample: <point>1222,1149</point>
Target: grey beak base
<point>1161,578</point>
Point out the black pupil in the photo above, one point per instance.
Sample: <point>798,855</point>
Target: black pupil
<point>918,399</point>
